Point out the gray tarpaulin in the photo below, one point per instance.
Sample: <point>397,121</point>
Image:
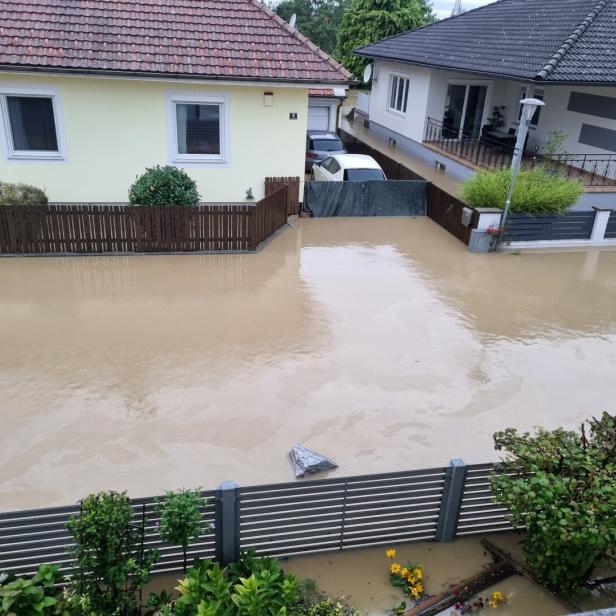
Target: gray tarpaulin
<point>373,198</point>
<point>306,461</point>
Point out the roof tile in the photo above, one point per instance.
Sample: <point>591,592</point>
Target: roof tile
<point>239,39</point>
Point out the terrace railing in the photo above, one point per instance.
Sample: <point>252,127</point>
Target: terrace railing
<point>590,169</point>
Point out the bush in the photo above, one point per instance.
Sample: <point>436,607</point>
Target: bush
<point>561,485</point>
<point>536,191</point>
<point>164,186</point>
<point>39,594</point>
<point>21,194</point>
<point>112,565</point>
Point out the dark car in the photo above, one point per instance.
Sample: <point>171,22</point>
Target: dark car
<point>320,145</point>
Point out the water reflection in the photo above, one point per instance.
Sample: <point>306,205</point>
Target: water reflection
<point>382,342</point>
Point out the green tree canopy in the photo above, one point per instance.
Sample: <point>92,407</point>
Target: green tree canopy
<point>368,21</point>
<point>561,486</point>
<point>319,20</point>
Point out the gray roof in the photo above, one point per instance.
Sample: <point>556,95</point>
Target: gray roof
<point>560,41</point>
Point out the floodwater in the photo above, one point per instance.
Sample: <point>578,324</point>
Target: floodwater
<point>381,342</point>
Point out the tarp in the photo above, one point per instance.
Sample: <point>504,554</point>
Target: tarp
<point>372,198</point>
<point>306,461</point>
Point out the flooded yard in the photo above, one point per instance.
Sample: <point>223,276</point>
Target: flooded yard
<point>382,343</point>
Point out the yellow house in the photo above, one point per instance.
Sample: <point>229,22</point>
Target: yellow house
<point>93,92</point>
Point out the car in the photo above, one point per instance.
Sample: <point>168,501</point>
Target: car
<point>347,167</point>
<point>319,145</point>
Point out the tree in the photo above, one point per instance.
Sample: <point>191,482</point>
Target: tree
<point>368,21</point>
<point>181,518</point>
<point>561,485</point>
<point>319,20</point>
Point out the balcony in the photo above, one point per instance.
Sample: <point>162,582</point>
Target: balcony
<point>597,172</point>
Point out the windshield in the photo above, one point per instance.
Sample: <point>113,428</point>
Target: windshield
<point>359,175</point>
<point>327,145</point>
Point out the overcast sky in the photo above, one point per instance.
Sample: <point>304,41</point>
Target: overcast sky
<point>442,8</point>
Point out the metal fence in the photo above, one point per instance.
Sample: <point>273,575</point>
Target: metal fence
<point>569,226</point>
<point>610,230</point>
<point>287,519</point>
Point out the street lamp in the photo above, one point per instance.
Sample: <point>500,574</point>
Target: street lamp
<point>529,105</point>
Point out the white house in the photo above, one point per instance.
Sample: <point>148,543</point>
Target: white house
<point>94,91</point>
<point>449,92</point>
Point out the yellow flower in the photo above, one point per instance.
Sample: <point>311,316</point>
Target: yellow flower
<point>404,572</point>
<point>395,568</point>
<point>493,604</point>
<point>418,573</point>
<point>419,587</point>
<point>390,552</point>
<point>414,593</point>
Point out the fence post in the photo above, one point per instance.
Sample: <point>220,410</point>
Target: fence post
<point>228,524</point>
<point>602,217</point>
<point>453,490</point>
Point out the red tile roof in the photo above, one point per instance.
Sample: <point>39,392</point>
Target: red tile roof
<point>321,92</point>
<point>233,39</point>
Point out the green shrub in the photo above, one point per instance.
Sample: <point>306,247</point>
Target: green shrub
<point>112,565</point>
<point>164,186</point>
<point>536,191</point>
<point>39,594</point>
<point>21,194</point>
<point>561,486</point>
<point>181,518</point>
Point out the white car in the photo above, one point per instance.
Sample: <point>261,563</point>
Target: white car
<point>347,167</point>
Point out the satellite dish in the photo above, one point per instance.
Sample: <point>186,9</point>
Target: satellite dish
<point>367,73</point>
<point>292,21</point>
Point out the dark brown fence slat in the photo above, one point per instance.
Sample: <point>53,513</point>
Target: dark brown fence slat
<point>447,212</point>
<point>273,184</point>
<point>118,228</point>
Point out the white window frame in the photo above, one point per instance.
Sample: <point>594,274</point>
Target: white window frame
<point>197,98</point>
<point>401,79</point>
<point>6,135</point>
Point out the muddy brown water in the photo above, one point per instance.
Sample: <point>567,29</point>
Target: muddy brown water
<point>381,342</point>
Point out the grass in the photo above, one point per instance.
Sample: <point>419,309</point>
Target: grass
<point>536,191</point>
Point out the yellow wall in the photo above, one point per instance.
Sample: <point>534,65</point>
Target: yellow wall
<point>115,128</point>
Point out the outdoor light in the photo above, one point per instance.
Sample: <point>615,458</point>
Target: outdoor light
<point>529,105</point>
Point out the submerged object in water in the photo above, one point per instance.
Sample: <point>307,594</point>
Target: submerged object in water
<point>306,461</point>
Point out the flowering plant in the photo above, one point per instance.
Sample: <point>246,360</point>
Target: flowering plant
<point>475,606</point>
<point>496,231</point>
<point>408,577</point>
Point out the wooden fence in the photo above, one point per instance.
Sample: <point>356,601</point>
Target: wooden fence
<point>447,212</point>
<point>292,184</point>
<point>99,228</point>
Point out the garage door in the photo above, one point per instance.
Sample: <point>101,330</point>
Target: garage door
<point>318,118</point>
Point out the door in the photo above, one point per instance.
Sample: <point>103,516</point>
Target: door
<point>318,118</point>
<point>464,107</point>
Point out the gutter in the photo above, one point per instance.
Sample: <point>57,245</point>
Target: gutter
<point>469,71</point>
<point>166,76</point>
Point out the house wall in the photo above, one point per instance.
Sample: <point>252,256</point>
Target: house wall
<point>114,128</point>
<point>412,123</point>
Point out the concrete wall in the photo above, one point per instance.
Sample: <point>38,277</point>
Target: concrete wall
<point>114,128</point>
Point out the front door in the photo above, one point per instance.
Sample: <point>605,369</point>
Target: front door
<point>464,108</point>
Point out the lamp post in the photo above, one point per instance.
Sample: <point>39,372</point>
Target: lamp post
<point>529,105</point>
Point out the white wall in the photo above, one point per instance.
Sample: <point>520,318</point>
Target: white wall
<point>412,123</point>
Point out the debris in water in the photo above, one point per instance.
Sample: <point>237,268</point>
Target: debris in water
<point>305,461</point>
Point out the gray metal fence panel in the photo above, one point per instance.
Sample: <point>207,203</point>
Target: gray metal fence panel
<point>479,514</point>
<point>610,231</point>
<point>569,226</point>
<point>287,519</point>
<point>318,516</point>
<point>33,537</point>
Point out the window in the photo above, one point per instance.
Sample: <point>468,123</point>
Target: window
<point>197,128</point>
<point>362,175</point>
<point>30,125</point>
<point>398,93</point>
<point>334,166</point>
<point>535,119</point>
<point>327,145</point>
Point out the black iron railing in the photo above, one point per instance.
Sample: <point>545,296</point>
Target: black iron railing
<point>487,153</point>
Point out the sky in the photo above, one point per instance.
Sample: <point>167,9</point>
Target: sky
<point>442,8</point>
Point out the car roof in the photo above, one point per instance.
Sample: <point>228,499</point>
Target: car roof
<point>356,161</point>
<point>319,134</point>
